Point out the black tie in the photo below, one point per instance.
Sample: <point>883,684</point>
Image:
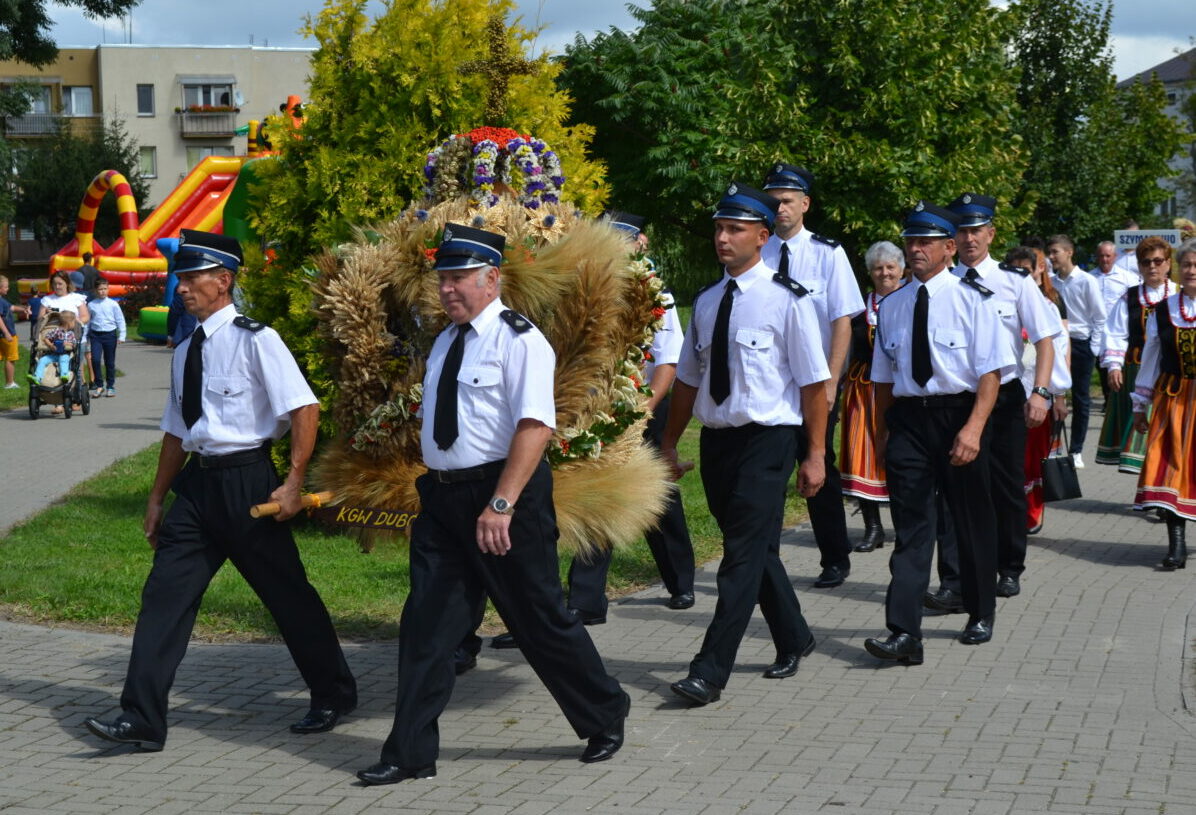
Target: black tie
<point>720,372</point>
<point>444,427</point>
<point>921,338</point>
<point>193,379</point>
<point>972,274</point>
<point>783,268</point>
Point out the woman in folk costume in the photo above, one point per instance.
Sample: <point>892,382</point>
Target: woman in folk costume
<point>863,476</point>
<point>1125,333</point>
<point>1167,385</point>
<point>1042,440</point>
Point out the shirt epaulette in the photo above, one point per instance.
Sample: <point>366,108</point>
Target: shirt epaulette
<point>795,288</point>
<point>1015,269</point>
<point>241,321</point>
<point>666,298</point>
<point>707,288</point>
<point>831,242</point>
<point>977,285</point>
<point>516,321</point>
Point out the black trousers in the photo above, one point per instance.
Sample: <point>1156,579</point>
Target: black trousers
<point>745,473</point>
<point>207,524</point>
<point>668,542</point>
<point>1082,363</point>
<point>450,577</point>
<point>103,348</point>
<point>918,464</point>
<point>828,516</point>
<point>1007,458</point>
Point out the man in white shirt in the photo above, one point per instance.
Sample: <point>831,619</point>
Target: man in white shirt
<point>751,371</point>
<point>820,265</point>
<point>1114,281</point>
<point>1086,313</point>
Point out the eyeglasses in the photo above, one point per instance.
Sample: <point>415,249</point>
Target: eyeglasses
<point>1153,262</point>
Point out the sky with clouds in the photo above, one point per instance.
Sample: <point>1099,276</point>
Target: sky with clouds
<point>1145,32</point>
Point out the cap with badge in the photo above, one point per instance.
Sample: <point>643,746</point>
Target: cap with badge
<point>927,220</point>
<point>973,209</point>
<point>199,251</point>
<point>744,203</point>
<point>625,221</point>
<point>784,176</point>
<point>464,247</point>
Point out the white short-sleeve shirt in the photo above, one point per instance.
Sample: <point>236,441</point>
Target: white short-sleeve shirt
<point>774,349</point>
<point>506,375</point>
<point>251,383</point>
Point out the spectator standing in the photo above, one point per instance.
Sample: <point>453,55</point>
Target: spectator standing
<point>107,329</point>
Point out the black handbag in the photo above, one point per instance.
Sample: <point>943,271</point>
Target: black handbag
<point>1060,480</point>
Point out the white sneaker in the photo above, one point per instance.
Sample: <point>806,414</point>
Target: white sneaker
<point>1079,460</point>
<point>11,385</point>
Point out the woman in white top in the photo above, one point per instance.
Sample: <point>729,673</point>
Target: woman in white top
<point>64,298</point>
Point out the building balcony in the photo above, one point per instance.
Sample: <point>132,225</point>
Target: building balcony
<point>207,125</point>
<point>33,124</point>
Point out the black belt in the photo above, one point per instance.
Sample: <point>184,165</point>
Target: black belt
<point>239,459</point>
<point>952,400</point>
<point>490,470</point>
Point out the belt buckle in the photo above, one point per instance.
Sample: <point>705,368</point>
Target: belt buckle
<point>439,476</point>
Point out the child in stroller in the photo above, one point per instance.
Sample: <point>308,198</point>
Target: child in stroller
<point>56,344</point>
<point>58,337</point>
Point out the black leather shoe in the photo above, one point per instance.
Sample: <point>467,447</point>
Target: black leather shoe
<point>786,665</point>
<point>463,661</point>
<point>506,640</point>
<point>317,721</point>
<point>898,647</point>
<point>696,690</point>
<point>1034,530</point>
<point>978,631</point>
<point>1008,586</point>
<point>948,601</point>
<point>832,576</point>
<point>683,600</point>
<point>123,732</point>
<point>383,773</point>
<point>608,742</point>
<point>586,617</point>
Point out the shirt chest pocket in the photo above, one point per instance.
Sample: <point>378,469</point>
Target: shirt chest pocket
<point>754,349</point>
<point>480,385</point>
<point>230,398</point>
<point>951,340</point>
<point>1008,314</point>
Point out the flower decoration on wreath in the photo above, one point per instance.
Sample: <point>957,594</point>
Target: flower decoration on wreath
<point>487,161</point>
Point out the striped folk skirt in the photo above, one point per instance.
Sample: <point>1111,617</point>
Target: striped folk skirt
<point>862,475</point>
<point>1168,477</point>
<point>1120,445</point>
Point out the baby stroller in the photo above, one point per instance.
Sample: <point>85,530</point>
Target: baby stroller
<point>52,389</point>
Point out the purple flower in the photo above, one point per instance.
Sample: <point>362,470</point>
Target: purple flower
<point>421,214</point>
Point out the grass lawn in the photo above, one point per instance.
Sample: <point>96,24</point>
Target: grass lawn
<point>83,561</point>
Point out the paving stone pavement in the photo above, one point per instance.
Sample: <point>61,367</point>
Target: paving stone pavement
<point>1080,704</point>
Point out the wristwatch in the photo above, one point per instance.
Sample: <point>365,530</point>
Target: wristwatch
<point>501,505</point>
<point>1044,393</point>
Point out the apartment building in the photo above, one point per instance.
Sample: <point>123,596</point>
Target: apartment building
<point>178,103</point>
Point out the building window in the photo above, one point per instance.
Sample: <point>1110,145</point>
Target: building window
<point>197,154</point>
<point>39,102</point>
<point>16,233</point>
<point>76,101</point>
<point>207,95</point>
<point>145,100</point>
<point>148,157</point>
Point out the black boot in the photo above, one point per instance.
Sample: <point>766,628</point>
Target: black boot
<point>1177,548</point>
<point>874,533</point>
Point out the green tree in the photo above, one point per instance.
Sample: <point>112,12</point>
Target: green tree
<point>383,93</point>
<point>25,26</point>
<point>1096,154</point>
<point>53,174</point>
<point>886,101</point>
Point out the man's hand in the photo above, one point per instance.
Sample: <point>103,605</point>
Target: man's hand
<point>1115,379</point>
<point>811,475</point>
<point>1036,410</point>
<point>967,445</point>
<point>152,522</point>
<point>288,497</point>
<point>492,532</point>
<point>1059,411</point>
<point>677,467</point>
